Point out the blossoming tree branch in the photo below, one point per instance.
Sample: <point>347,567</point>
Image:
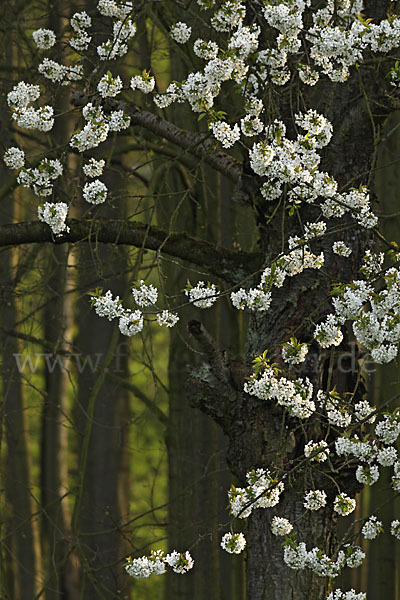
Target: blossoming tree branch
<point>311,85</point>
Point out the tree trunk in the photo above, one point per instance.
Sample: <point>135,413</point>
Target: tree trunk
<point>268,577</point>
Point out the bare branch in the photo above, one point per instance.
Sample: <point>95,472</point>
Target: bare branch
<point>231,265</point>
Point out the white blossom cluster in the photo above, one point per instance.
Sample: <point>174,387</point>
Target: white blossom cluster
<point>107,306</point>
<point>113,8</point>
<point>281,526</point>
<point>144,295</point>
<point>26,116</point>
<point>205,49</point>
<point>144,83</point>
<point>54,215</point>
<point>328,333</point>
<point>234,543</point>
<point>363,411</point>
<point>349,595</point>
<point>295,261</point>
<point>294,352</point>
<point>396,477</point>
<point>95,192</point>
<point>80,39</point>
<point>202,295</point>
<point>295,395</point>
<point>123,29</point>
<point>229,16</point>
<point>94,168</point>
<point>336,409</point>
<point>364,451</point>
<point>344,505</point>
<point>367,475</point>
<point>388,430</point>
<point>395,529</point>
<point>256,299</point>
<point>372,528</point>
<point>225,134</point>
<point>41,178</point>
<point>131,322</point>
<point>180,32</point>
<point>98,125</point>
<point>109,86</point>
<point>44,38</point>
<point>263,491</point>
<point>295,555</point>
<point>14,158</point>
<point>58,73</point>
<point>341,249</point>
<point>167,318</point>
<point>315,499</point>
<point>157,563</point>
<point>375,314</point>
<point>316,450</point>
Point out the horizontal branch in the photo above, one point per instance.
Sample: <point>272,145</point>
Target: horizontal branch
<point>231,265</point>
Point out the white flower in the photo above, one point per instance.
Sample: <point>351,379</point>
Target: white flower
<point>202,295</point>
<point>58,73</point>
<point>293,352</point>
<point>41,178</point>
<point>167,318</point>
<point>362,410</point>
<point>22,94</point>
<point>145,83</point>
<point>95,192</point>
<point>109,86</point>
<point>180,32</point>
<point>229,15</point>
<point>118,120</point>
<point>355,556</point>
<point>312,447</point>
<point>367,475</point>
<point>54,215</point>
<point>145,566</point>
<point>14,158</point>
<point>251,125</point>
<point>205,49</point>
<point>350,595</point>
<point>395,529</point>
<point>281,526</point>
<point>225,134</point>
<point>344,505</point>
<point>80,21</point>
<point>315,499</point>
<point>131,322</point>
<point>144,295</point>
<point>44,38</point>
<point>372,528</point>
<point>387,456</point>
<point>328,333</point>
<point>234,543</point>
<point>80,41</point>
<point>94,168</point>
<point>341,249</point>
<point>295,556</point>
<point>107,306</point>
<point>111,8</point>
<point>180,563</point>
